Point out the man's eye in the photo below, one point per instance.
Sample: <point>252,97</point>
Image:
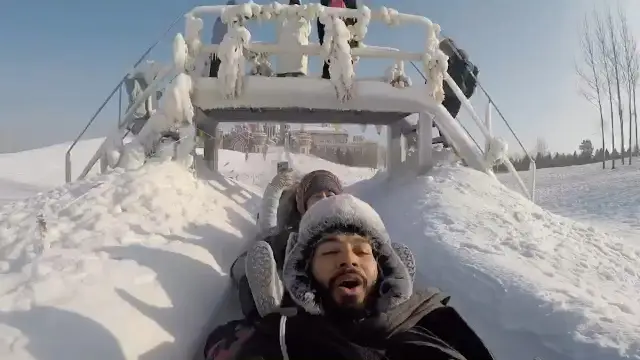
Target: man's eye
<point>330,252</point>
<point>362,251</point>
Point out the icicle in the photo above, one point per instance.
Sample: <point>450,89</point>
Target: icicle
<point>363,127</point>
<point>180,53</point>
<point>379,129</point>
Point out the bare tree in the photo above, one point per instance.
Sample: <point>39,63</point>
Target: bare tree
<point>630,69</point>
<point>634,79</point>
<point>592,77</point>
<point>607,70</point>
<point>542,148</point>
<point>617,63</point>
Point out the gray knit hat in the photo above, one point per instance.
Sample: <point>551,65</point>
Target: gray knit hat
<point>313,183</point>
<point>344,213</point>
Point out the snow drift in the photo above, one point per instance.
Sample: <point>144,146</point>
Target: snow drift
<point>530,282</point>
<point>122,266</point>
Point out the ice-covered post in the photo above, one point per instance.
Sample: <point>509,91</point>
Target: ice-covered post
<point>394,148</point>
<point>425,143</point>
<point>532,180</point>
<point>104,164</point>
<point>231,73</point>
<point>487,123</point>
<point>435,63</point>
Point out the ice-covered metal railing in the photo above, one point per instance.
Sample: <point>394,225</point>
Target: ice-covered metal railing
<point>128,118</point>
<point>118,89</point>
<point>486,129</point>
<point>235,16</point>
<point>532,162</point>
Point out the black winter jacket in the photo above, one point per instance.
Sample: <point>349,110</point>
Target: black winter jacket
<point>424,327</point>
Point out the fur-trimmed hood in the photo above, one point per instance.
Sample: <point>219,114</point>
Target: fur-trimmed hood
<point>332,214</point>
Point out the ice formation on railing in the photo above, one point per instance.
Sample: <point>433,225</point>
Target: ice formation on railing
<point>180,53</point>
<point>235,47</point>
<point>497,152</point>
<point>231,51</point>
<point>397,77</point>
<point>175,116</point>
<point>435,64</point>
<point>360,28</point>
<point>338,54</point>
<point>193,28</point>
<point>260,64</point>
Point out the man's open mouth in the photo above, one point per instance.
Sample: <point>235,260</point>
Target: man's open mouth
<point>350,282</point>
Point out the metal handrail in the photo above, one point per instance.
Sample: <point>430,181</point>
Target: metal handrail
<point>129,116</point>
<point>484,91</point>
<point>486,132</point>
<point>113,92</point>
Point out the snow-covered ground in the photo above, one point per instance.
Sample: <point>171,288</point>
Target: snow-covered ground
<point>25,174</point>
<point>122,266</point>
<point>128,265</point>
<point>134,265</point>
<point>608,199</point>
<point>532,283</point>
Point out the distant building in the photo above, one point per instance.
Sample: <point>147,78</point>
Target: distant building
<point>333,144</point>
<point>324,141</point>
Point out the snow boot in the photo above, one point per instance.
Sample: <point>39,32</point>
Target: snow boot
<point>262,275</point>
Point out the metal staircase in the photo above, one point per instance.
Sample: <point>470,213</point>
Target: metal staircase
<point>124,120</point>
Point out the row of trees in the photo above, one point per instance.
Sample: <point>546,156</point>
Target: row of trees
<point>586,154</point>
<point>610,70</point>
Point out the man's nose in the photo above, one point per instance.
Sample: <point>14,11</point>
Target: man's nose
<point>348,258</point>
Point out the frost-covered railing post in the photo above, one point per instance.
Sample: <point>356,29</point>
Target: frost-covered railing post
<point>487,122</point>
<point>145,54</point>
<point>497,152</point>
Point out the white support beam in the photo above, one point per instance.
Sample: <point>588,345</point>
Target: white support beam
<point>425,143</point>
<point>394,149</point>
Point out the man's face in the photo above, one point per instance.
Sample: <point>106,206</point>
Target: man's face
<point>317,197</point>
<point>344,265</point>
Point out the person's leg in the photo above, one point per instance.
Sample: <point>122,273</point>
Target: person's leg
<point>215,65</point>
<point>325,71</point>
<point>452,104</point>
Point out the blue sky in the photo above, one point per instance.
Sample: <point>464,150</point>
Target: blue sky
<point>60,59</point>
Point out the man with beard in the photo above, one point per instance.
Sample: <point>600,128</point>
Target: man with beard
<point>350,296</point>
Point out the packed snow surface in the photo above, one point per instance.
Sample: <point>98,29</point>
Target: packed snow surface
<point>133,265</point>
<point>532,283</point>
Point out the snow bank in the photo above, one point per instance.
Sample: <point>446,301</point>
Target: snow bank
<point>530,282</point>
<point>122,266</point>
